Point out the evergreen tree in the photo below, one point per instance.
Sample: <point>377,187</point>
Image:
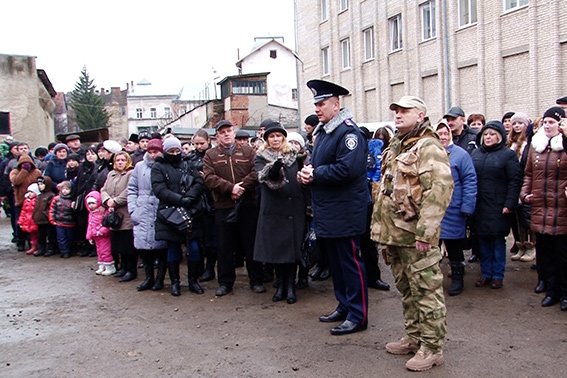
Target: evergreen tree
<point>87,105</point>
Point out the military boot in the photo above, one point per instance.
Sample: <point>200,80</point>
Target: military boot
<point>405,345</point>
<point>425,359</point>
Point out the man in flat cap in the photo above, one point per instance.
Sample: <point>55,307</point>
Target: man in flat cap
<point>463,136</point>
<point>73,141</point>
<point>229,174</point>
<point>337,176</point>
<point>562,102</point>
<point>415,190</point>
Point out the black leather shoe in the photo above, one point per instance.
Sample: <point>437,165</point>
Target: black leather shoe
<point>347,327</point>
<point>379,284</point>
<point>540,287</point>
<point>119,273</point>
<point>563,304</point>
<point>127,277</point>
<point>334,316</point>
<point>549,301</point>
<point>223,290</point>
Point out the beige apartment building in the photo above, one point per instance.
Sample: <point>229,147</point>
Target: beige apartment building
<point>488,57</point>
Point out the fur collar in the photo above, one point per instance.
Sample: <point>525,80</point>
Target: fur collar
<point>330,126</point>
<point>540,142</point>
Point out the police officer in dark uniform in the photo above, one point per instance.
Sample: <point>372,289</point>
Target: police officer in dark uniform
<point>337,176</point>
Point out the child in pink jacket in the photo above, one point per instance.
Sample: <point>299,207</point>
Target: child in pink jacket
<point>98,234</point>
<point>26,221</point>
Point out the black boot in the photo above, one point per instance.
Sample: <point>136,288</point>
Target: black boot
<point>160,274</point>
<point>290,283</point>
<point>193,270</point>
<point>209,273</point>
<point>149,270</point>
<point>458,271</point>
<point>173,268</point>
<point>302,278</point>
<point>280,289</point>
<point>131,268</point>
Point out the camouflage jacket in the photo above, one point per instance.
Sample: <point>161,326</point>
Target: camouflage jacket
<point>415,190</point>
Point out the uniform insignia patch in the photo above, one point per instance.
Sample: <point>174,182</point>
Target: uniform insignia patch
<point>351,141</point>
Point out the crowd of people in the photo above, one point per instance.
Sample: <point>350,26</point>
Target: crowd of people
<point>411,194</point>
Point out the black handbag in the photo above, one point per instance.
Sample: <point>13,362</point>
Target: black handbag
<point>309,250</point>
<point>177,217</point>
<point>112,220</point>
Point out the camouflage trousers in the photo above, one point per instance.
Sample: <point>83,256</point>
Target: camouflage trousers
<point>419,279</point>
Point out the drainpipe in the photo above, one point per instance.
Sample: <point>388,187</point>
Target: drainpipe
<point>445,48</point>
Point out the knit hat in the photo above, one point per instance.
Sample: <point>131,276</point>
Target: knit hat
<point>520,117</point>
<point>112,146</point>
<point>312,120</point>
<point>295,136</point>
<point>74,156</point>
<point>171,143</point>
<point>34,188</point>
<point>64,184</point>
<point>507,115</point>
<point>154,145</point>
<point>555,112</point>
<point>60,146</point>
<point>144,135</point>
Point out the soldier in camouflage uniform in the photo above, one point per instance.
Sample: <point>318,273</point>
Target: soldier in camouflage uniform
<point>416,189</point>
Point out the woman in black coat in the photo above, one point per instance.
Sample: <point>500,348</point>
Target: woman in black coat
<point>283,203</point>
<point>499,182</point>
<point>167,175</point>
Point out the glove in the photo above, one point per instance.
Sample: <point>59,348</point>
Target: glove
<point>274,172</point>
<point>186,202</point>
<point>27,166</point>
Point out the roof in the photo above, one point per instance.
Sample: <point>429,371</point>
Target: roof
<point>243,76</point>
<point>261,45</point>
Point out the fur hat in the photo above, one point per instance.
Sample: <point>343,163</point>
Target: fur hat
<point>520,117</point>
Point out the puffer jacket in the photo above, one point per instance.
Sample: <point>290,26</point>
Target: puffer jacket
<point>41,210</point>
<point>223,168</point>
<point>26,215</point>
<point>166,184</point>
<point>116,187</point>
<point>546,178</point>
<point>95,229</point>
<point>499,181</point>
<point>22,178</point>
<point>142,206</point>
<point>61,212</point>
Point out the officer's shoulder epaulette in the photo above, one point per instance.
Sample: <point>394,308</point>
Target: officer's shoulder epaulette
<point>349,122</point>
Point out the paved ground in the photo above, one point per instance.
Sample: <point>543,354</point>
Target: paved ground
<point>58,319</point>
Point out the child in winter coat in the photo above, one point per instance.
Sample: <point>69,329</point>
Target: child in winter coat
<point>25,220</point>
<point>46,231</point>
<point>61,215</point>
<point>98,234</point>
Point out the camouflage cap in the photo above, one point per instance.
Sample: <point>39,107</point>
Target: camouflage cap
<point>409,102</point>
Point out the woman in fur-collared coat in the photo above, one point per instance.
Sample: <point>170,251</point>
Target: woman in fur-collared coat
<point>283,203</point>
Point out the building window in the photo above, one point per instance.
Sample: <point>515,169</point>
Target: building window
<point>139,113</point>
<point>153,113</point>
<point>343,5</point>
<point>167,112</point>
<point>254,87</point>
<point>345,52</point>
<point>4,123</point>
<point>428,28</point>
<point>467,12</point>
<point>513,4</point>
<point>325,62</point>
<point>273,54</point>
<point>395,33</point>
<point>324,10</point>
<point>294,94</point>
<point>368,43</point>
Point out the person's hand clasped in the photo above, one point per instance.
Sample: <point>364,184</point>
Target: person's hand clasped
<point>305,176</point>
<point>237,191</point>
<point>422,246</point>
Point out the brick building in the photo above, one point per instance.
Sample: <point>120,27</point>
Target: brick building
<point>487,56</point>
